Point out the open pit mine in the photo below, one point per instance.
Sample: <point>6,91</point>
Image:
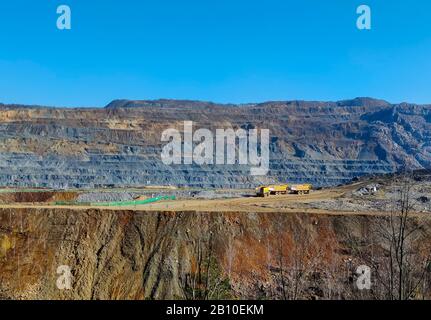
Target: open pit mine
<point>88,209</point>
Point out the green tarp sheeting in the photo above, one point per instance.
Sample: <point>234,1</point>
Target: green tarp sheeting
<point>115,203</point>
<point>132,203</point>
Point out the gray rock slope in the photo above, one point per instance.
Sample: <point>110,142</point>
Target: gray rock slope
<point>325,143</point>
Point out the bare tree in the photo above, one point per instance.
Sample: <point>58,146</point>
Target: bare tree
<point>205,279</point>
<point>399,250</point>
<point>306,266</point>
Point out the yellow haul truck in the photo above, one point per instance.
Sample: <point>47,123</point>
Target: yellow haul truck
<point>279,189</point>
<point>265,191</point>
<point>301,188</point>
<point>262,191</point>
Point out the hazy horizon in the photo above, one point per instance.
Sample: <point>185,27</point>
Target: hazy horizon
<point>205,101</point>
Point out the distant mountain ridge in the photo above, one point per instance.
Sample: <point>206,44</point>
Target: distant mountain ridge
<point>173,103</point>
<point>169,103</point>
<point>325,143</point>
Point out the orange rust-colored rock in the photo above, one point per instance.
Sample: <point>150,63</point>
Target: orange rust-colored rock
<point>121,254</point>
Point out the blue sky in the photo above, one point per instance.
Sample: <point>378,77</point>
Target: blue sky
<point>217,50</point>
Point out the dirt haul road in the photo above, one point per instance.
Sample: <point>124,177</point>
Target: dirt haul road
<point>290,203</point>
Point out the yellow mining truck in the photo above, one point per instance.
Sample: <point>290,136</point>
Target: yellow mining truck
<point>262,191</point>
<point>301,188</point>
<point>265,191</point>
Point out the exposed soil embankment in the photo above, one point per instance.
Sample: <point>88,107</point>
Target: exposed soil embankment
<point>36,196</point>
<point>138,255</point>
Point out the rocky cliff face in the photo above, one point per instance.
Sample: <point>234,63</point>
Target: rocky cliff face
<point>156,255</point>
<point>325,143</point>
<point>184,255</point>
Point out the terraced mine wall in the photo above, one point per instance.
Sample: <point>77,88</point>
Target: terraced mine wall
<point>323,143</point>
<point>156,255</point>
